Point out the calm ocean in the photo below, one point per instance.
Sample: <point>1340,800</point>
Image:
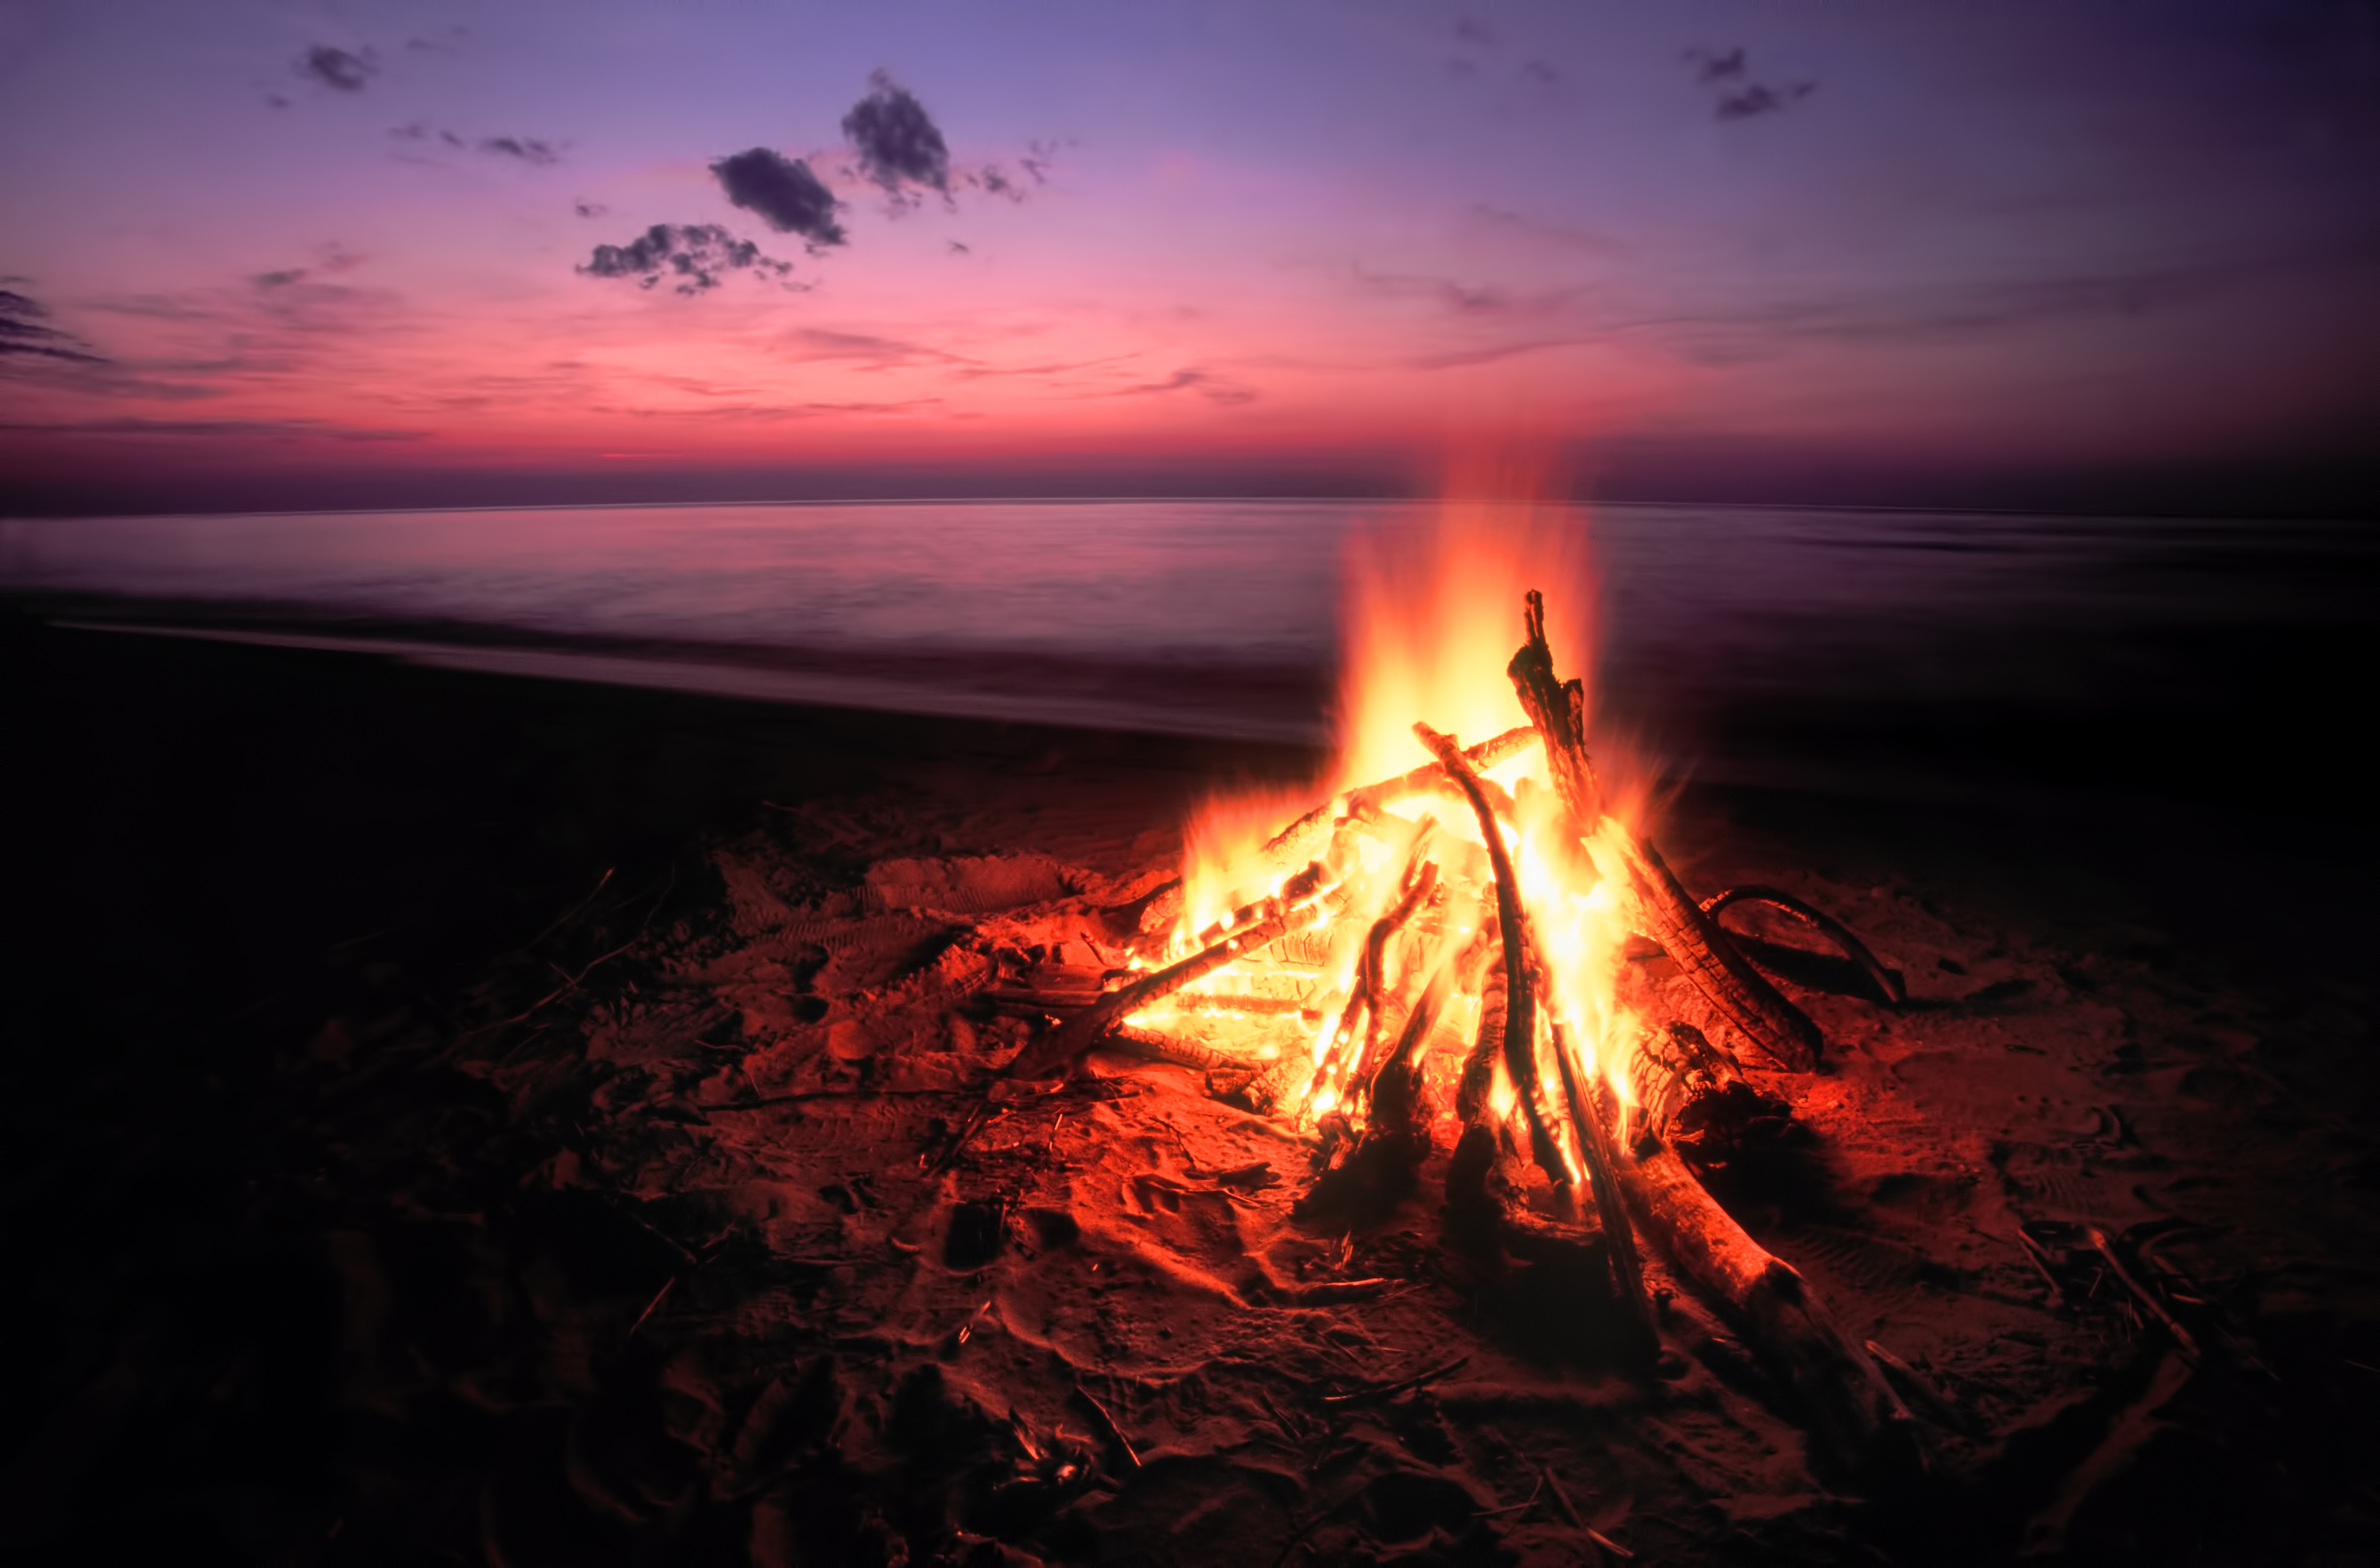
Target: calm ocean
<point>1749,644</point>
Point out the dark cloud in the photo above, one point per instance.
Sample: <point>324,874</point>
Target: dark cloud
<point>1717,64</point>
<point>1759,98</point>
<point>281,278</point>
<point>784,191</point>
<point>587,208</point>
<point>1727,72</point>
<point>1472,31</point>
<point>338,69</point>
<point>422,130</point>
<point>528,149</point>
<point>23,334</point>
<point>1542,74</point>
<point>959,247</point>
<point>692,256</point>
<point>897,141</point>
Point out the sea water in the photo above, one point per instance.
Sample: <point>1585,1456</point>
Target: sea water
<point>1762,643</point>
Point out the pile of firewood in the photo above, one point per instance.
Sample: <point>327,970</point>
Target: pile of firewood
<point>1550,1157</point>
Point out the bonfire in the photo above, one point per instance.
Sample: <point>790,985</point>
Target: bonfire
<point>1482,952</point>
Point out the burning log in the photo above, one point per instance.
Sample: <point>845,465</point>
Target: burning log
<point>1709,957</point>
<point>1368,998</point>
<point>1063,1046</point>
<point>1692,937</point>
<point>1858,1419</point>
<point>1520,999</point>
<point>1295,842</point>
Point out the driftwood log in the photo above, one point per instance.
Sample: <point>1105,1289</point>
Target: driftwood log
<point>1690,1095</point>
<point>1860,1423</point>
<point>1887,981</point>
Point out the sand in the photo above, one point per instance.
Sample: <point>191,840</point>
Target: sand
<point>467,1119</point>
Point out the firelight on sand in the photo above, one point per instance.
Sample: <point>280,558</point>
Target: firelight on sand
<point>1450,949</point>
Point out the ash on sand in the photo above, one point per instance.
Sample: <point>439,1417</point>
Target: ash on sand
<point>657,1240</point>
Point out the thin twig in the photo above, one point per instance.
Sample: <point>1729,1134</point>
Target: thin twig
<point>1390,1391</point>
<point>1114,1430</point>
<point>2155,1308</point>
<point>656,1301</point>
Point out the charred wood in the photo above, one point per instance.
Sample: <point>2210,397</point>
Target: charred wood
<point>1595,1150</point>
<point>1742,994</point>
<point>1520,999</point>
<point>1691,1095</point>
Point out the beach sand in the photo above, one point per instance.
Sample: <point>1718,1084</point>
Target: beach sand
<point>456,1118</point>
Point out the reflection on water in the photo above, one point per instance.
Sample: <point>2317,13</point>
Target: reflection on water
<point>1720,624</point>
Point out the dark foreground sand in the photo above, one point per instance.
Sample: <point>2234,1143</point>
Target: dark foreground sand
<point>456,1119</point>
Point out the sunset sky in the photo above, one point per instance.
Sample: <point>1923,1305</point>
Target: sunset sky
<point>342,254</point>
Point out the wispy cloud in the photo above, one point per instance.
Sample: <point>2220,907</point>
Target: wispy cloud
<point>1735,95</point>
<point>536,152</point>
<point>692,256</point>
<point>1216,389</point>
<point>24,335</point>
<point>252,429</point>
<point>341,71</point>
<point>866,350</point>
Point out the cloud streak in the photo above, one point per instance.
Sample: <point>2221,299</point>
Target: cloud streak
<point>23,334</point>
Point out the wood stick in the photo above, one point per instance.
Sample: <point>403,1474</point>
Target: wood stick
<point>1595,1148</point>
<point>1481,757</point>
<point>1156,1045</point>
<point>1887,983</point>
<point>1711,959</point>
<point>1472,1090</point>
<point>1520,1002</point>
<point>1371,980</point>
<point>1859,1421</point>
<point>2155,1308</point>
<point>1283,849</point>
<point>1063,1046</point>
<point>1556,710</point>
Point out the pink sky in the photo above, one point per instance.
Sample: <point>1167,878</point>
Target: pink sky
<point>287,238</point>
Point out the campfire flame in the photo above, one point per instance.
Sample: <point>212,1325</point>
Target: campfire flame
<point>1392,952</point>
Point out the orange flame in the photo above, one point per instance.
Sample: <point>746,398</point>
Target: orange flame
<point>1432,619</point>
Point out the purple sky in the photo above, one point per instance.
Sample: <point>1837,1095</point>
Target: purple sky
<point>354,254</point>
